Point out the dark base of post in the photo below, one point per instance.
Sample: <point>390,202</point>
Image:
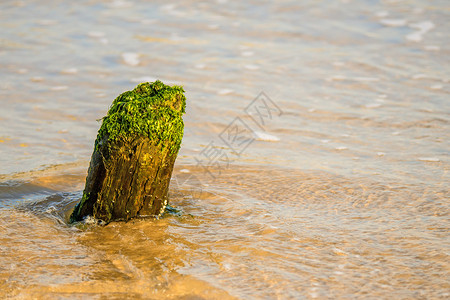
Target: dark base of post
<point>126,181</point>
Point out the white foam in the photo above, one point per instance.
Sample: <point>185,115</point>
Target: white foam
<point>70,71</point>
<point>131,58</point>
<point>373,105</point>
<point>382,14</point>
<point>339,252</point>
<point>247,53</point>
<point>96,34</point>
<point>262,136</point>
<point>432,48</point>
<point>393,22</point>
<point>422,27</point>
<point>120,4</point>
<point>381,153</point>
<point>251,67</point>
<point>224,92</point>
<point>341,148</point>
<point>185,171</point>
<point>415,36</point>
<point>59,88</point>
<point>429,159</point>
<point>437,87</point>
<point>90,220</point>
<point>200,66</point>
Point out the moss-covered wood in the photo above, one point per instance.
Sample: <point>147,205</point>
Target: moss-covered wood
<point>134,154</point>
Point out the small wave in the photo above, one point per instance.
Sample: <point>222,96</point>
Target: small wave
<point>13,192</point>
<point>58,206</point>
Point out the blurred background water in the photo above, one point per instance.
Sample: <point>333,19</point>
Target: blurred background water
<point>314,163</point>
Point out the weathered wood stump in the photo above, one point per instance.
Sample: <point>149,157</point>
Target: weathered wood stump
<point>134,154</point>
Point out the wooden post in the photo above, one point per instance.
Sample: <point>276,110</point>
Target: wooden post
<point>134,154</point>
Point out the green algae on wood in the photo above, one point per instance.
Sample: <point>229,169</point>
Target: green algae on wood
<point>135,150</point>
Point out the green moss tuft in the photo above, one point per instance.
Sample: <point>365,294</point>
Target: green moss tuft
<point>153,110</point>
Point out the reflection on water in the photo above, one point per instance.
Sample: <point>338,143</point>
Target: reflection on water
<point>342,192</point>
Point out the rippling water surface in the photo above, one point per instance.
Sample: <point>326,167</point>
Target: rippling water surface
<point>315,161</point>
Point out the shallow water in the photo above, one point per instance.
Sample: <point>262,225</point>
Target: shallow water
<point>335,187</point>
